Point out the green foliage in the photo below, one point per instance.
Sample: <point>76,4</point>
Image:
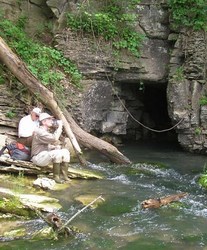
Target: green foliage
<point>203,100</point>
<point>11,114</point>
<point>21,22</point>
<point>179,74</point>
<point>47,64</point>
<point>13,205</point>
<point>203,177</point>
<point>189,13</point>
<point>198,131</point>
<point>2,78</point>
<point>109,21</point>
<point>203,180</point>
<point>42,28</point>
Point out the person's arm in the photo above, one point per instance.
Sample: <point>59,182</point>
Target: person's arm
<point>58,131</point>
<point>21,127</point>
<point>46,137</point>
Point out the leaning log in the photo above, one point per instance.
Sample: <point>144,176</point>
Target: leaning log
<point>24,75</point>
<point>158,202</point>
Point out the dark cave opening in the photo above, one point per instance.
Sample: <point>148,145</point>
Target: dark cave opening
<point>155,102</point>
<point>147,103</point>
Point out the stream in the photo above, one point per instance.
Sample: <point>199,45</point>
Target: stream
<point>120,222</point>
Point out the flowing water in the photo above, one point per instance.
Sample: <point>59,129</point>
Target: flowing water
<point>120,222</point>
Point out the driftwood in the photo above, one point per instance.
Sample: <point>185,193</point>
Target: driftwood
<point>156,203</point>
<point>55,222</point>
<point>80,211</point>
<point>23,74</point>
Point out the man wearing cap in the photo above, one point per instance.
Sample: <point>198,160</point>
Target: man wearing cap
<point>27,125</point>
<point>45,148</point>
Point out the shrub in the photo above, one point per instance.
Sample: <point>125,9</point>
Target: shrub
<point>109,21</point>
<point>189,13</point>
<point>47,64</point>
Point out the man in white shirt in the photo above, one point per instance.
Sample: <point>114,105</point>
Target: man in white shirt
<point>27,125</point>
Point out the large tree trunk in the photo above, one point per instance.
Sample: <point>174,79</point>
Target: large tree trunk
<point>92,142</point>
<point>22,73</point>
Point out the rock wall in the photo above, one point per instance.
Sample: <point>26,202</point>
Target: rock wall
<point>176,61</point>
<point>187,85</point>
<point>100,110</point>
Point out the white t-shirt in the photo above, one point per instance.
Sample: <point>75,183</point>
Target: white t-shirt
<point>27,126</point>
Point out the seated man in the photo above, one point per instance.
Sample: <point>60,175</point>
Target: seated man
<point>27,126</point>
<point>45,149</point>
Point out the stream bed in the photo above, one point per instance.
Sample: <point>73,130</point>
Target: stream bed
<point>120,222</point>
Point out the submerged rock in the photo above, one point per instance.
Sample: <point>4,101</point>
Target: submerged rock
<point>87,199</point>
<point>44,233</point>
<point>16,233</point>
<point>83,174</point>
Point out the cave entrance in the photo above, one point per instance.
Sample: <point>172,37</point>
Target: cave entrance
<point>147,103</point>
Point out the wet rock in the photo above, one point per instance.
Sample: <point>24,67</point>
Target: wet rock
<point>41,202</point>
<point>44,183</point>
<point>83,174</point>
<point>86,199</point>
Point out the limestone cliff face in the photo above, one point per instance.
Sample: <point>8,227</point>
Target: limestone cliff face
<point>186,87</point>
<point>172,67</point>
<point>111,81</point>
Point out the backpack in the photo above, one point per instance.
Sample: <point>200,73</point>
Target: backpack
<point>17,151</point>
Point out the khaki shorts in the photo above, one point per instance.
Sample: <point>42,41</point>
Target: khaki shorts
<point>45,158</point>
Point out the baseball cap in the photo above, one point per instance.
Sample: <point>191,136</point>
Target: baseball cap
<point>44,116</point>
<point>37,111</point>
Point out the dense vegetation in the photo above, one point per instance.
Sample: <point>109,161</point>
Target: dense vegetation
<point>113,20</point>
<point>46,63</point>
<point>189,13</point>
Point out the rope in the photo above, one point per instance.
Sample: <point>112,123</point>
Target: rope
<point>151,129</point>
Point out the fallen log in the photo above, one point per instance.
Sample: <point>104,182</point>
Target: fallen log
<point>158,202</point>
<point>25,76</point>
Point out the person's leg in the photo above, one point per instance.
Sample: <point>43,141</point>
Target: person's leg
<point>64,171</point>
<point>65,155</point>
<point>56,172</point>
<point>42,159</point>
<point>62,156</point>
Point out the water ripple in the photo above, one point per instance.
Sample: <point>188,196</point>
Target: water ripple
<point>122,178</point>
